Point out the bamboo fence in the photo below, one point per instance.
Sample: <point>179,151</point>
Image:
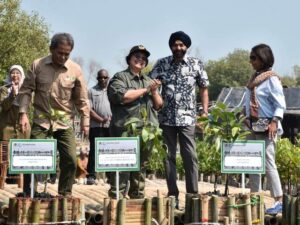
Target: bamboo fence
<point>56,210</point>
<point>235,209</point>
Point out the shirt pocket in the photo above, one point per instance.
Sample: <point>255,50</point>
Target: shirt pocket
<point>65,88</point>
<point>42,84</point>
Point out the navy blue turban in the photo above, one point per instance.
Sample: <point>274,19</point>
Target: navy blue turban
<point>180,35</point>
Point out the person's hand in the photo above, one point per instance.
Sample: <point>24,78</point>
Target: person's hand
<point>154,85</point>
<point>272,128</point>
<point>23,122</point>
<point>85,130</point>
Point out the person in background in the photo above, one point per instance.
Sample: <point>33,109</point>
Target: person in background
<point>265,104</point>
<point>180,74</point>
<point>82,162</point>
<point>59,87</point>
<point>9,107</point>
<point>129,91</point>
<point>100,117</point>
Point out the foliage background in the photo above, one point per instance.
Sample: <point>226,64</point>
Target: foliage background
<point>23,37</point>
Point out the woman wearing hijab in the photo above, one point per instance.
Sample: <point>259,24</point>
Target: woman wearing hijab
<point>9,108</point>
<point>265,105</point>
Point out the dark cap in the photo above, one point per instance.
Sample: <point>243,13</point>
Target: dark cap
<point>137,48</point>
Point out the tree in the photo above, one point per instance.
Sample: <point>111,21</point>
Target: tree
<point>234,70</point>
<point>288,81</point>
<point>296,72</point>
<point>23,37</point>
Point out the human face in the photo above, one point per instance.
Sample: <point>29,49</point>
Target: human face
<point>103,78</point>
<point>61,53</point>
<point>178,49</point>
<point>137,61</point>
<point>256,62</point>
<point>15,75</point>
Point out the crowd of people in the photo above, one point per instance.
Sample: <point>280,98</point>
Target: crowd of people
<point>168,93</point>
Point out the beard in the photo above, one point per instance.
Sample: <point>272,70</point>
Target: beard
<point>179,54</point>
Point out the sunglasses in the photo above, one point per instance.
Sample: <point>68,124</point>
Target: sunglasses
<point>140,56</point>
<point>253,57</point>
<point>102,78</point>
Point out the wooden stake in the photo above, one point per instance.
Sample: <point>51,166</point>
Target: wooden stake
<point>121,211</point>
<point>215,209</point>
<point>286,209</point>
<point>65,209</point>
<point>247,209</point>
<point>195,210</point>
<point>230,209</point>
<point>36,210</point>
<point>148,211</point>
<point>105,211</point>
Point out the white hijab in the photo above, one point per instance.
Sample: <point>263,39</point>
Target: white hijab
<point>8,81</point>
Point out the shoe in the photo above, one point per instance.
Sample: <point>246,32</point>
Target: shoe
<point>90,181</point>
<point>276,208</point>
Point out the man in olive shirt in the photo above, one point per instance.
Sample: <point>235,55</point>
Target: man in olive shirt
<point>129,91</point>
<point>58,86</point>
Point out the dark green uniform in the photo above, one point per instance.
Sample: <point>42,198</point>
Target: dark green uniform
<point>121,112</point>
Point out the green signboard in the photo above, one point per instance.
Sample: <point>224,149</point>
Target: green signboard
<point>117,154</point>
<point>243,157</point>
<point>32,156</point>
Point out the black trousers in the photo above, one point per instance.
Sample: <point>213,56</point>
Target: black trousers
<point>94,133</point>
<point>186,137</point>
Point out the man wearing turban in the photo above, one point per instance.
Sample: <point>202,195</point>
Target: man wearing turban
<point>179,74</point>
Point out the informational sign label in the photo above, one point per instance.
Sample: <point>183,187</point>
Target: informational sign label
<point>243,157</point>
<point>32,156</point>
<point>117,154</point>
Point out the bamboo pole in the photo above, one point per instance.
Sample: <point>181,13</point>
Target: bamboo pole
<point>64,209</point>
<point>226,220</point>
<point>286,209</point>
<point>254,208</point>
<point>54,209</point>
<point>121,211</point>
<point>75,209</point>
<point>25,209</point>
<point>188,201</point>
<point>298,210</point>
<point>12,213</point>
<point>247,209</point>
<point>261,209</point>
<point>36,210</point>
<point>105,211</point>
<point>82,213</point>
<point>160,207</point>
<point>204,208</point>
<point>230,209</point>
<point>171,210</point>
<point>215,209</point>
<point>293,210</point>
<point>195,210</point>
<point>148,211</point>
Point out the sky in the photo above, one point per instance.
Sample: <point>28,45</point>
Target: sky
<point>105,30</point>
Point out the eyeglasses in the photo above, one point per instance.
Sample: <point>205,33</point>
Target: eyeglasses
<point>253,57</point>
<point>140,56</point>
<point>102,78</point>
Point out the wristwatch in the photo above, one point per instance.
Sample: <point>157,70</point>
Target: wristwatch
<point>275,119</point>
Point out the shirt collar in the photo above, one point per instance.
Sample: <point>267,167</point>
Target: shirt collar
<point>48,60</point>
<point>133,76</point>
<point>184,60</point>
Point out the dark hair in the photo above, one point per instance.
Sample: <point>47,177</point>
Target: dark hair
<point>101,71</point>
<point>61,38</point>
<point>265,54</point>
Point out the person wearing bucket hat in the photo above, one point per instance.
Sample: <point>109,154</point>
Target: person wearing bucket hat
<point>128,92</point>
<point>180,74</point>
<point>9,108</point>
